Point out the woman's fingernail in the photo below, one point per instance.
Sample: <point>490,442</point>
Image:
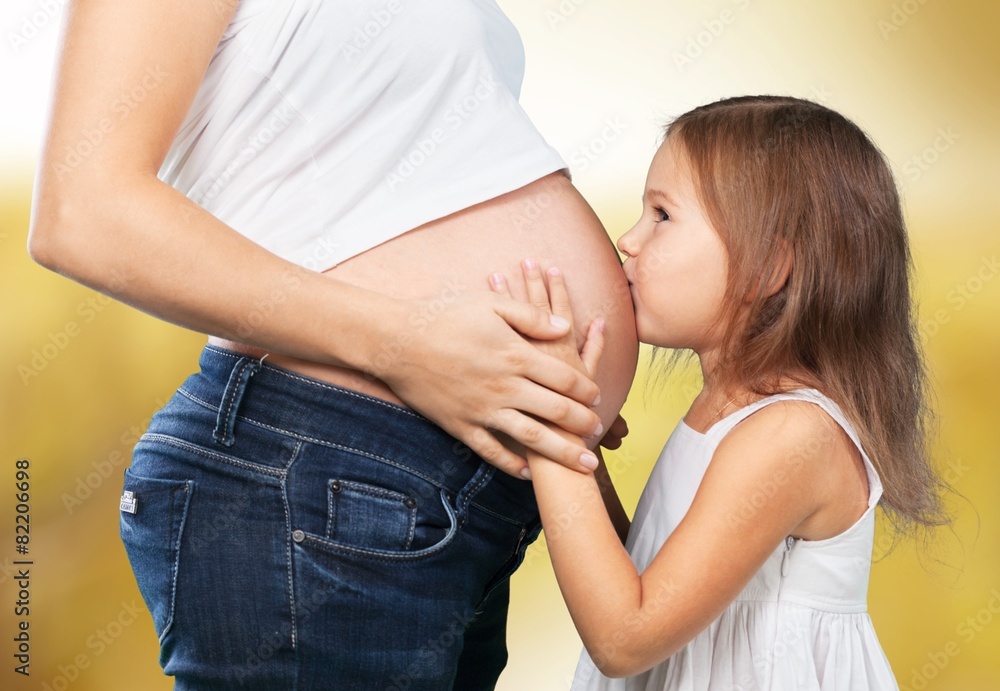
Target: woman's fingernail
<point>600,324</point>
<point>588,461</point>
<point>497,279</point>
<point>597,401</point>
<point>558,322</point>
<point>599,430</point>
<point>553,271</point>
<point>530,264</point>
<point>526,473</point>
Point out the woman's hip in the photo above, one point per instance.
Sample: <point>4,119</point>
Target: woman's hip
<point>310,513</point>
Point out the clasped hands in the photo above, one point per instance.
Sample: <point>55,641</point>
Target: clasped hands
<point>548,293</point>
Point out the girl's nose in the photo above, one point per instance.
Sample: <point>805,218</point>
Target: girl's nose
<point>627,243</point>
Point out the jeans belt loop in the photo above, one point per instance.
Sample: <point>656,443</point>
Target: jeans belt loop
<point>483,475</point>
<point>232,397</point>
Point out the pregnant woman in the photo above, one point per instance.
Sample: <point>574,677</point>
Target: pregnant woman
<point>333,500</point>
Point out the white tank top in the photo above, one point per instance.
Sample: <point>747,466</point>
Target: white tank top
<point>325,127</point>
<point>800,624</point>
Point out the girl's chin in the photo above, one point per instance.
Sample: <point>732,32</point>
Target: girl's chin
<point>645,336</point>
<point>656,337</point>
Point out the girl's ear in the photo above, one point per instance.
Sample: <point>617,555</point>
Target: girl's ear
<point>779,274</point>
<point>782,269</point>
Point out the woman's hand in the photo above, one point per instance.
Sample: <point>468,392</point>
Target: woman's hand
<point>473,372</point>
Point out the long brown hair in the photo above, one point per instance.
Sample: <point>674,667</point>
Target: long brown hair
<point>777,172</point>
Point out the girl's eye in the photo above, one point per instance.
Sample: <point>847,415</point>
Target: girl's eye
<point>660,214</point>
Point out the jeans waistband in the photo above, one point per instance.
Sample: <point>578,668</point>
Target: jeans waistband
<point>289,403</point>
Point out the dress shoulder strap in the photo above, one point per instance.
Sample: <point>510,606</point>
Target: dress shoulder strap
<point>726,424</point>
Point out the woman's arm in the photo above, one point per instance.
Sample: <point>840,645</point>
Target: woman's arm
<point>101,217</point>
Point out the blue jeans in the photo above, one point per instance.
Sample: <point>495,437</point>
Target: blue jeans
<point>290,534</point>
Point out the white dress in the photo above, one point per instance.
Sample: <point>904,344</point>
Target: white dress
<point>801,623</point>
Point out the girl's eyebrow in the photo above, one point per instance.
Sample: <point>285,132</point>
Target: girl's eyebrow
<point>660,194</point>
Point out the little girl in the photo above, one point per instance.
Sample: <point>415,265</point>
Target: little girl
<point>771,244</point>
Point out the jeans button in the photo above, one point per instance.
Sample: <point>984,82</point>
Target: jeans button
<point>298,535</point>
<point>410,503</point>
<point>335,486</point>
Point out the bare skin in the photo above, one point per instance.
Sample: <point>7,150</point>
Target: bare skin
<point>105,220</point>
<point>453,256</point>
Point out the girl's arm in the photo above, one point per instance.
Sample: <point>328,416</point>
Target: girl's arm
<point>629,621</point>
<point>102,217</point>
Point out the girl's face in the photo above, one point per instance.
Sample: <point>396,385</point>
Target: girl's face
<point>676,263</point>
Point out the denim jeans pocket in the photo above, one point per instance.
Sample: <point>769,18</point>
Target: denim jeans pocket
<point>362,514</point>
<point>151,525</point>
<point>367,521</point>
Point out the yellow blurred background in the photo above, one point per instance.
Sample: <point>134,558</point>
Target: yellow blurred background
<point>921,77</point>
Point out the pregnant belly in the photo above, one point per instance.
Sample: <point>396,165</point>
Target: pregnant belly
<point>547,220</point>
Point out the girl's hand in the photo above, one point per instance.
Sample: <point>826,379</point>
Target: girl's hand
<point>555,300</point>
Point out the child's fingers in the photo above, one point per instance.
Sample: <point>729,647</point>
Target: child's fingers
<point>498,282</point>
<point>593,347</point>
<point>558,297</point>
<point>537,294</point>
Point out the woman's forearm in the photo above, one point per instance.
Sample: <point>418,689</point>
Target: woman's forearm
<point>142,242</point>
<point>107,221</point>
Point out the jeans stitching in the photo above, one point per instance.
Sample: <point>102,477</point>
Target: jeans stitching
<point>188,394</point>
<point>334,445</point>
<point>323,442</point>
<point>328,545</point>
<point>350,449</point>
<point>188,487</point>
<point>498,516</point>
<point>330,387</point>
<point>329,509</point>
<point>288,550</point>
<point>341,447</point>
<point>369,490</point>
<point>467,494</point>
<point>221,433</point>
<point>234,392</point>
<point>179,443</point>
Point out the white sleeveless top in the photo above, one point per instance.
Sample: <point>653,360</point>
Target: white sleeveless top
<point>801,623</point>
<point>325,127</point>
